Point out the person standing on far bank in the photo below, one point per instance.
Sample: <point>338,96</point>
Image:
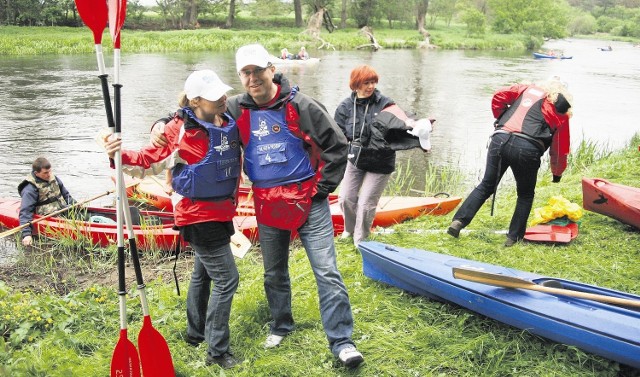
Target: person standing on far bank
<point>530,118</point>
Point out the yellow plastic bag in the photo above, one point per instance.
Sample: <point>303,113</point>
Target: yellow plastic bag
<point>557,207</point>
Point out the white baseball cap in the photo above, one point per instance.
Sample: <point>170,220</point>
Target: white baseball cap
<point>205,84</point>
<point>253,54</point>
<point>422,129</point>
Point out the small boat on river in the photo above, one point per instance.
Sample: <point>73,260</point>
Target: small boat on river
<point>608,330</point>
<point>310,61</point>
<point>540,55</point>
<point>610,199</point>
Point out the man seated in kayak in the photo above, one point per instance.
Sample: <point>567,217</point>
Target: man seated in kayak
<point>41,193</point>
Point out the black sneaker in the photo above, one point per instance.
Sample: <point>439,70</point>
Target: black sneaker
<point>509,242</point>
<point>454,228</point>
<point>191,340</point>
<point>226,360</point>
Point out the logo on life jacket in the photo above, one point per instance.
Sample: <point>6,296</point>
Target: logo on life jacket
<point>224,145</point>
<point>262,129</point>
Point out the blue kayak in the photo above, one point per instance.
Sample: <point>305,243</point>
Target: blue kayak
<point>539,55</point>
<point>604,329</point>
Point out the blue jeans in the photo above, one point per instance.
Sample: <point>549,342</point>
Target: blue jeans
<point>208,310</point>
<point>523,157</point>
<point>317,238</point>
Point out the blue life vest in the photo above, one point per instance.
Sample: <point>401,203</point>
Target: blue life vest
<point>215,177</point>
<point>274,156</point>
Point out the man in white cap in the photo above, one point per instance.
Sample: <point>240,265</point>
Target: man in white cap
<point>295,155</point>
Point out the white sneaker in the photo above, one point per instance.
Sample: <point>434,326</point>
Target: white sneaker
<point>273,341</point>
<point>350,357</point>
<point>345,235</point>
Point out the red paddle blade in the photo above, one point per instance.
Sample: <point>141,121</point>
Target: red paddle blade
<point>117,14</point>
<point>125,362</point>
<point>154,351</point>
<point>94,14</point>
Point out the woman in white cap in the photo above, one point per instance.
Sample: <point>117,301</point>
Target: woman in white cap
<point>203,154</point>
<point>376,128</point>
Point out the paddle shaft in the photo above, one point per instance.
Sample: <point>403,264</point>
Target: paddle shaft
<point>65,209</point>
<point>125,361</point>
<point>513,282</point>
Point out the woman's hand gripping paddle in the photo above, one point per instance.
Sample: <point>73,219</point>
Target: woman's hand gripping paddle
<point>125,361</point>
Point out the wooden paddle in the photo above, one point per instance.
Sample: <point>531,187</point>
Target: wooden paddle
<point>499,280</point>
<point>52,214</point>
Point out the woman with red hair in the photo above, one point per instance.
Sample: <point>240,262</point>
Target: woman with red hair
<point>376,128</point>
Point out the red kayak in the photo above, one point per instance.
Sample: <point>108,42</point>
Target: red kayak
<point>391,209</point>
<point>155,231</point>
<point>614,200</point>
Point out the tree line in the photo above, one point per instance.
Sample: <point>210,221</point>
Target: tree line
<point>534,18</point>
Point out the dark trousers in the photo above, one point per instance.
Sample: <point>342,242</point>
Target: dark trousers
<point>523,157</point>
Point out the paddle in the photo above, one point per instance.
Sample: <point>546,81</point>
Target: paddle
<point>499,280</point>
<point>155,355</point>
<point>124,361</point>
<point>52,214</point>
<point>95,15</point>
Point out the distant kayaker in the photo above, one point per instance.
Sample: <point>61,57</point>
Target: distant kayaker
<point>530,118</point>
<point>375,133</point>
<point>42,193</point>
<point>303,54</point>
<point>286,55</point>
<point>203,153</point>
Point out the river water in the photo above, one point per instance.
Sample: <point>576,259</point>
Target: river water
<point>52,105</point>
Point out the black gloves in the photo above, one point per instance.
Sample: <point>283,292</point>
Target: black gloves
<point>556,178</point>
<point>320,195</point>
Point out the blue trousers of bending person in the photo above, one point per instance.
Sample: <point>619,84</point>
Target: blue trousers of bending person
<point>523,157</point>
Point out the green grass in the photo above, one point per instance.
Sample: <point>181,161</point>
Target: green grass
<point>65,40</point>
<point>50,334</point>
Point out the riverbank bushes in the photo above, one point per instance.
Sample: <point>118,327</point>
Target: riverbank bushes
<point>18,41</point>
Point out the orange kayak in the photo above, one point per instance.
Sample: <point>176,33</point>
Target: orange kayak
<point>155,231</point>
<point>610,199</point>
<point>391,209</point>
